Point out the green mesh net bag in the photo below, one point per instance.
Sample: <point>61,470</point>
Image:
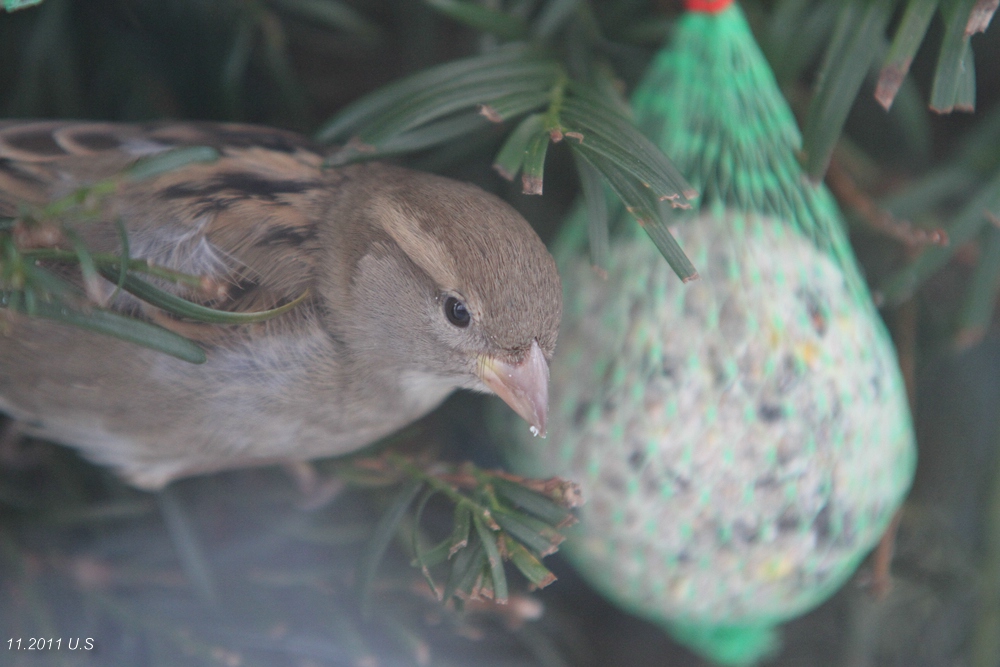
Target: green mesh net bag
<point>743,440</point>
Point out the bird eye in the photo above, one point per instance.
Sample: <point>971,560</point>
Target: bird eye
<point>456,312</point>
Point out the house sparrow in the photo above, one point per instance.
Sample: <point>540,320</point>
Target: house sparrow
<point>417,285</point>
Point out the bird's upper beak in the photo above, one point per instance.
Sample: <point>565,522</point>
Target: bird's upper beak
<point>524,386</point>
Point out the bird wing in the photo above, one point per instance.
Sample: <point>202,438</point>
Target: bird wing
<point>246,222</point>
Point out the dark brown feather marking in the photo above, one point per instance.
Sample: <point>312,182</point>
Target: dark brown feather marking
<point>288,235</point>
<point>14,170</point>
<point>96,141</point>
<point>243,287</point>
<point>210,207</point>
<point>38,141</point>
<point>266,188</point>
<point>242,183</point>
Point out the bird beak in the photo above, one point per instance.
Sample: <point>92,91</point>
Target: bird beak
<point>524,386</point>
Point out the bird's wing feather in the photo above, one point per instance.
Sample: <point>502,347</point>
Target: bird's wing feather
<point>246,221</point>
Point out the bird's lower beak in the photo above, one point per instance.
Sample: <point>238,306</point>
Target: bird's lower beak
<point>524,386</point>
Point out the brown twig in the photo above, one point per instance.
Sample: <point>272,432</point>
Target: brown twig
<point>881,575</point>
<point>851,196</point>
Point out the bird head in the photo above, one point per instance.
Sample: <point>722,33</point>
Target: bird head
<point>451,287</point>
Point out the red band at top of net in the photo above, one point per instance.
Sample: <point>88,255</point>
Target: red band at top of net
<point>707,6</point>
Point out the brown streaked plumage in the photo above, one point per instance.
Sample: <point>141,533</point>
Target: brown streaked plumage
<point>381,249</point>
